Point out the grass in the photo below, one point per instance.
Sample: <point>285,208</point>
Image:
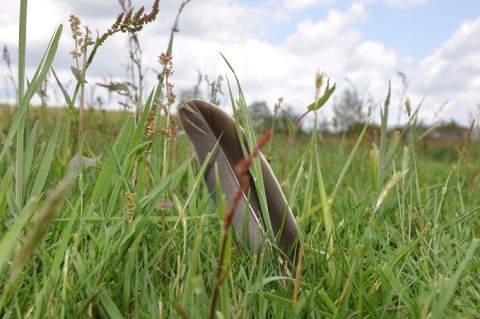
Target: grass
<point>395,233</point>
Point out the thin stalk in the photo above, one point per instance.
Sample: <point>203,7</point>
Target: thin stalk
<point>81,119</point>
<point>166,144</point>
<point>274,120</point>
<point>242,168</point>
<point>21,132</point>
<point>287,150</point>
<point>289,142</point>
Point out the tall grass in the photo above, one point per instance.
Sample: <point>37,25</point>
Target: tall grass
<point>389,230</point>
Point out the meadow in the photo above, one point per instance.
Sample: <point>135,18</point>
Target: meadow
<point>389,222</point>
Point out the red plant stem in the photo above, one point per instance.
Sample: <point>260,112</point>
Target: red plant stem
<point>301,117</point>
<point>242,169</point>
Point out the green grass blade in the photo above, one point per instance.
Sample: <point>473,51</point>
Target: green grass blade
<point>9,239</point>
<point>67,98</point>
<point>52,205</point>
<point>5,184</point>
<point>108,305</point>
<point>192,269</point>
<point>256,170</point>
<point>349,160</point>
<point>39,77</point>
<point>46,163</point>
<point>105,178</point>
<point>453,282</point>
<point>29,151</point>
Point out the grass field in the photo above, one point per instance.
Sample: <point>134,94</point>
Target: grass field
<point>389,224</point>
<point>413,255</point>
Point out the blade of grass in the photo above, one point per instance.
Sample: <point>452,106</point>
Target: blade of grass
<point>105,178</point>
<point>52,205</point>
<point>256,170</point>
<point>29,151</point>
<point>45,165</point>
<point>453,282</point>
<point>9,239</point>
<point>349,160</point>
<point>22,120</point>
<point>192,269</point>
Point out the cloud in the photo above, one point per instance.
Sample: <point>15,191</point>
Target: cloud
<point>452,72</point>
<point>303,4</point>
<point>370,66</point>
<point>455,63</point>
<point>405,3</point>
<point>222,20</point>
<point>267,70</point>
<point>333,31</point>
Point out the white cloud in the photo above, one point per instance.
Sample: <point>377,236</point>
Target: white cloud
<point>327,42</point>
<point>303,4</point>
<point>405,3</point>
<point>374,55</point>
<point>452,72</point>
<point>222,20</point>
<point>371,65</point>
<point>266,70</point>
<point>326,31</point>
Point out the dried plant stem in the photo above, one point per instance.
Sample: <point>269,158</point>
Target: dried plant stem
<point>242,168</point>
<point>298,274</point>
<point>227,223</point>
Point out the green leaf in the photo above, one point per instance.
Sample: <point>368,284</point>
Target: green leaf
<point>325,97</point>
<point>37,80</point>
<point>64,91</point>
<point>9,240</point>
<point>105,178</point>
<point>46,163</point>
<point>193,265</point>
<point>291,128</point>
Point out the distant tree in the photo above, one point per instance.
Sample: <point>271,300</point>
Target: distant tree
<point>449,131</point>
<point>188,94</point>
<point>289,115</point>
<point>349,109</point>
<point>260,115</point>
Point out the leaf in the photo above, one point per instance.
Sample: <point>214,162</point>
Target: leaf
<point>326,96</point>
<point>44,168</point>
<point>37,80</point>
<point>64,91</point>
<point>292,129</point>
<point>206,126</point>
<point>106,177</point>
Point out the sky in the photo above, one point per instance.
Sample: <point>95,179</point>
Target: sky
<point>276,47</point>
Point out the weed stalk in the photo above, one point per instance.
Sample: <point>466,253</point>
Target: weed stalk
<point>242,169</point>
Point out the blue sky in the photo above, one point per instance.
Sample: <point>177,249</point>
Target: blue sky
<point>418,30</point>
<point>415,30</point>
<point>277,46</point>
